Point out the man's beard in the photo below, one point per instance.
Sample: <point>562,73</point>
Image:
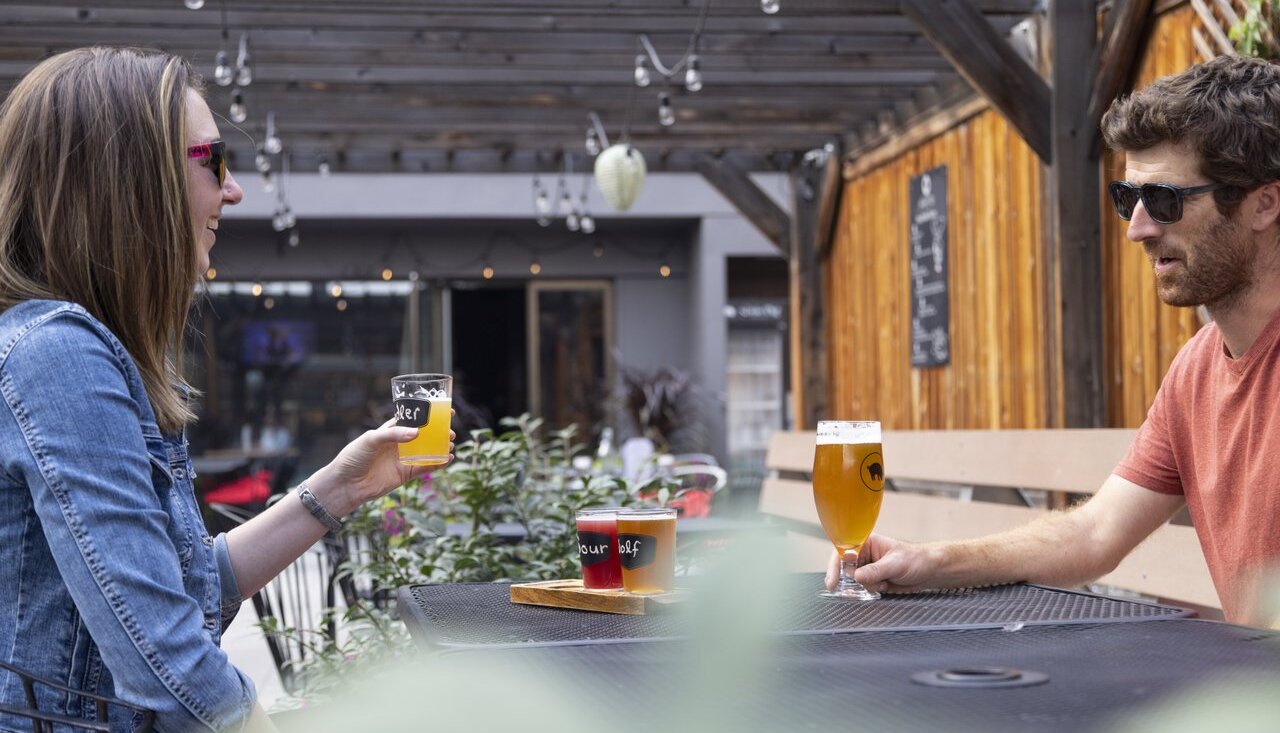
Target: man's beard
<point>1222,270</point>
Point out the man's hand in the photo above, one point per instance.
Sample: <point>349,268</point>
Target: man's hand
<point>887,565</point>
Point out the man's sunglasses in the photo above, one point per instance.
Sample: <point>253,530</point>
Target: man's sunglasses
<point>216,152</point>
<point>1163,201</point>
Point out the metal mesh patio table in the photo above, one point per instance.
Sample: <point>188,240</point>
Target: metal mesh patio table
<point>462,615</point>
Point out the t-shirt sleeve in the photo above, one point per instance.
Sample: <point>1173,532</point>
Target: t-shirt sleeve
<point>1150,462</point>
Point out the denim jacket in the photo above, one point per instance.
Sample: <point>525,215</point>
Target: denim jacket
<point>109,582</point>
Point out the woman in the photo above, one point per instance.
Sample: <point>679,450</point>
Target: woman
<point>112,184</point>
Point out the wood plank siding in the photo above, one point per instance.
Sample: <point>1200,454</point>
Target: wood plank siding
<point>997,374</point>
<point>1006,337</point>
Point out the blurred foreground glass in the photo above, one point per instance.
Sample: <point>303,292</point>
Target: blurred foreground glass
<point>848,483</point>
<point>647,549</point>
<point>424,401</point>
<point>598,548</point>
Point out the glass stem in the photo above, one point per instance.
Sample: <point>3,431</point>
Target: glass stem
<point>848,563</point>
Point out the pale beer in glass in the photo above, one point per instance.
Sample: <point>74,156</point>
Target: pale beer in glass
<point>425,402</point>
<point>848,484</point>
<point>647,549</point>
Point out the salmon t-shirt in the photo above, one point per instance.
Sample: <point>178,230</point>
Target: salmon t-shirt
<point>1213,436</point>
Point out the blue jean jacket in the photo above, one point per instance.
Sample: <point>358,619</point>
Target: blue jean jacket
<point>109,582</point>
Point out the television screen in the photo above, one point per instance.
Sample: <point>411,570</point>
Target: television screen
<point>278,343</point>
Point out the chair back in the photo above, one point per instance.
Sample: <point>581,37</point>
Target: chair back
<point>44,722</point>
<point>295,603</point>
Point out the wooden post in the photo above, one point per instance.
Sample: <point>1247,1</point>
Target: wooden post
<point>810,231</point>
<point>1075,194</point>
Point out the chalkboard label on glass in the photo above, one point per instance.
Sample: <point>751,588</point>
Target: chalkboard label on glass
<point>412,413</point>
<point>930,303</point>
<point>637,550</point>
<point>594,548</point>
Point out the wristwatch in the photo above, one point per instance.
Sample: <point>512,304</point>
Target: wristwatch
<point>313,505</point>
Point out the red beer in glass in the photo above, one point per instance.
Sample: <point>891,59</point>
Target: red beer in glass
<point>598,548</point>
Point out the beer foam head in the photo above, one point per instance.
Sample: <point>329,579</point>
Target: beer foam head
<point>844,432</point>
<point>434,395</point>
<point>648,514</point>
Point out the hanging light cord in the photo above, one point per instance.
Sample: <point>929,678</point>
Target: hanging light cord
<point>689,50</point>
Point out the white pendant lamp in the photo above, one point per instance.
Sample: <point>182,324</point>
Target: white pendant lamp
<point>620,171</point>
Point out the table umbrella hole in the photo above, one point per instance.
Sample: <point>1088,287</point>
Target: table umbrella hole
<point>980,677</point>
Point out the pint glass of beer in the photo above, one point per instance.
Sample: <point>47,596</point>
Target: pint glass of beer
<point>598,548</point>
<point>647,549</point>
<point>424,401</point>
<point>848,483</point>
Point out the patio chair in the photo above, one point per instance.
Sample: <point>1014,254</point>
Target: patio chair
<point>296,601</point>
<point>45,722</point>
<point>699,484</point>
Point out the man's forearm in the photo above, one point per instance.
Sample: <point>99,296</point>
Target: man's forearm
<point>1056,549</point>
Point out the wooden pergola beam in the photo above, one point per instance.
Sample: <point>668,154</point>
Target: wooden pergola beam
<point>735,185</point>
<point>1120,52</point>
<point>960,32</point>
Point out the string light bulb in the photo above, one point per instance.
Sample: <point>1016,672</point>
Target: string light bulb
<point>238,112</point>
<point>269,303</point>
<point>535,267</point>
<point>770,7</point>
<point>211,273</point>
<point>256,289</point>
<point>664,270</point>
<point>541,202</point>
<point>642,71</point>
<point>244,63</point>
<point>666,115</point>
<point>597,251</point>
<point>342,304</point>
<point>487,272</point>
<point>193,4</point>
<point>387,274</point>
<point>222,73</point>
<point>268,183</point>
<point>272,144</point>
<point>587,223</point>
<point>693,75</point>
<point>294,238</point>
<point>593,142</point>
<point>261,161</point>
<point>572,221</point>
<point>290,218</point>
<point>323,168</point>
<point>335,290</point>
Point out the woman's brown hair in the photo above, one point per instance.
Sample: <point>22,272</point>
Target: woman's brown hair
<point>94,206</point>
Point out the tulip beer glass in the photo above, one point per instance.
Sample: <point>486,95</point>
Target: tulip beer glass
<point>424,401</point>
<point>848,482</point>
<point>647,549</point>
<point>598,548</point>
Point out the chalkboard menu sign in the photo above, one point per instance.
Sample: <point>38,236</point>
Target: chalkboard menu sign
<point>930,306</point>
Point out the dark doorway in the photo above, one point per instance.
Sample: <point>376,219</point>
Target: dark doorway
<point>489,371</point>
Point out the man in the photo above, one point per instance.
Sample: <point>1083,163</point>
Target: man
<point>1202,197</point>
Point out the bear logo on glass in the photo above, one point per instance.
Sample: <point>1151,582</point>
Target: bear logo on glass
<point>872,471</point>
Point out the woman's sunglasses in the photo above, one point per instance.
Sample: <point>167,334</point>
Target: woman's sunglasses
<point>1163,201</point>
<point>216,153</point>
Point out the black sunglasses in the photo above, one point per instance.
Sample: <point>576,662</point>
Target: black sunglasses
<point>1163,201</point>
<point>216,152</point>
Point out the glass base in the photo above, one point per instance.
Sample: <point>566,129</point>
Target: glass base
<point>423,460</point>
<point>855,593</point>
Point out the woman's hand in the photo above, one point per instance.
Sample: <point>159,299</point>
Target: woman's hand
<point>367,468</point>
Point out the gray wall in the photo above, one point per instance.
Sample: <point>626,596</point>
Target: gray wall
<point>444,226</point>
